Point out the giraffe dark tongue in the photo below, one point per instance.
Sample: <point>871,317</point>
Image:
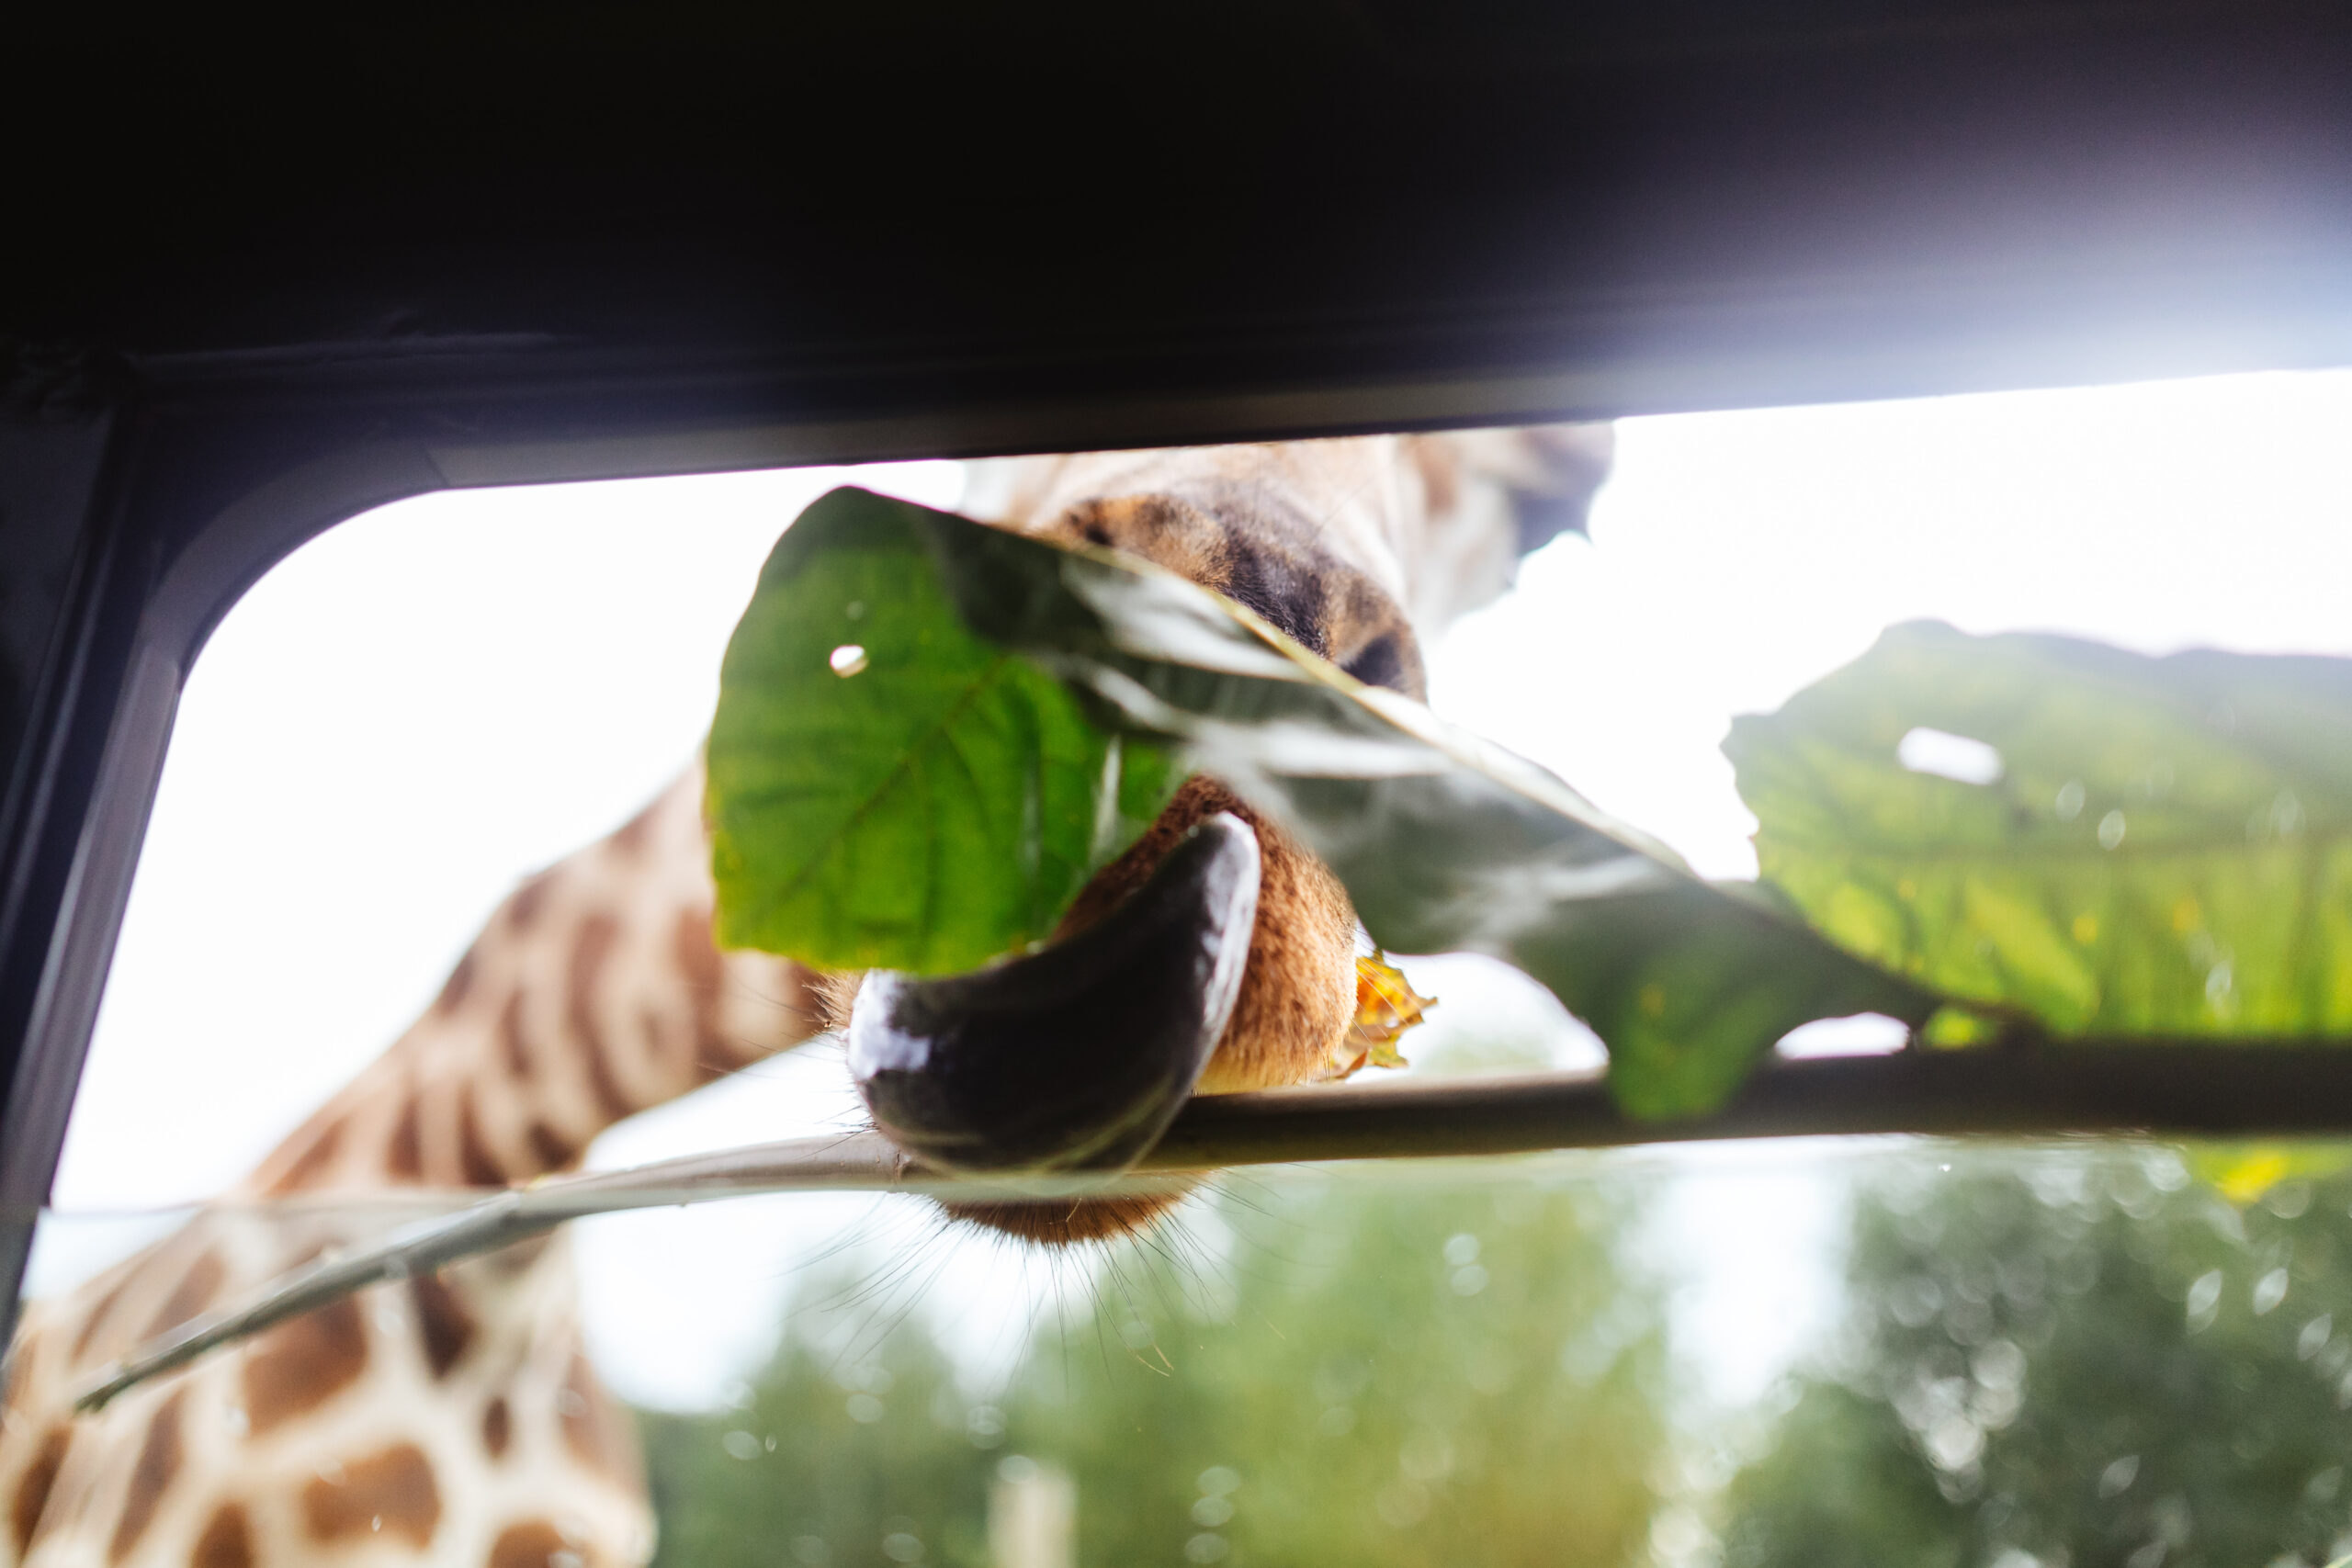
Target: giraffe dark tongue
<point>1077,1056</point>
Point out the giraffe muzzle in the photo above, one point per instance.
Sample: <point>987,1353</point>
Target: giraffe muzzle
<point>1076,1056</point>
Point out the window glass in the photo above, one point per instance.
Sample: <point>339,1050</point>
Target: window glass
<point>2007,1355</point>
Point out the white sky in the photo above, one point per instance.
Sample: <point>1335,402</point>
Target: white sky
<point>438,697</point>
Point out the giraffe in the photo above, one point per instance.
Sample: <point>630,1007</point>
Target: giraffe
<point>453,1417</point>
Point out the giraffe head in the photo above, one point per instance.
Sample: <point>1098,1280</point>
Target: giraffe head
<point>1218,954</point>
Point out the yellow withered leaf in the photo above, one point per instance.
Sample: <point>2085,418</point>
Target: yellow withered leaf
<point>1387,1005</point>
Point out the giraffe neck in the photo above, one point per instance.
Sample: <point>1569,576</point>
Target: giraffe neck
<point>593,992</point>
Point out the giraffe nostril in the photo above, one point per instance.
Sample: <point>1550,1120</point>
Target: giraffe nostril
<point>1077,1056</point>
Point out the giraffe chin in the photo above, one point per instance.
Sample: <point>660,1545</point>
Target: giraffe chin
<point>1069,1221</point>
<point>1073,1058</point>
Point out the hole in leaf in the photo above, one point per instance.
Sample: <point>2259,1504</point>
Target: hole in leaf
<point>1863,1035</point>
<point>1949,756</point>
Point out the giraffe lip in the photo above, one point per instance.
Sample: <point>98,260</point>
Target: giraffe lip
<point>1076,1056</point>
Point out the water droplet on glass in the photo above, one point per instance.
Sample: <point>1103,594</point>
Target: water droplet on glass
<point>1340,1378</point>
<point>2269,1291</point>
<point>2110,830</point>
<point>2286,814</point>
<point>2204,1299</point>
<point>847,660</point>
<point>1426,1456</point>
<point>1998,1365</point>
<point>740,1444</point>
<point>1211,1512</point>
<point>1462,1249</point>
<point>864,1409</point>
<point>2314,1338</point>
<point>1218,1480</point>
<point>1955,1443</point>
<point>2117,1478</point>
<point>2070,800</point>
<point>857,609</point>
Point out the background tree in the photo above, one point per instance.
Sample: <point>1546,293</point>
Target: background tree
<point>2071,1358</point>
<point>1399,1366</point>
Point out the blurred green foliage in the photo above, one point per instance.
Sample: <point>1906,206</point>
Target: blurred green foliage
<point>1386,1368</point>
<point>2071,1357</point>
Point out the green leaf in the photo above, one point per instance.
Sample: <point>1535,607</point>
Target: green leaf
<point>2164,853</point>
<point>936,806</point>
<point>866,811</point>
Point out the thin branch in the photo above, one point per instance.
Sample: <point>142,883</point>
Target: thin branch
<point>2202,1090</point>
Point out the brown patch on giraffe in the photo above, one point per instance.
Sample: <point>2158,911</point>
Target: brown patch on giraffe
<point>390,1492</point>
<point>594,1434</point>
<point>553,1150</point>
<point>523,907</point>
<point>100,1314</point>
<point>455,988</point>
<point>589,951</point>
<point>497,1426</point>
<point>511,1042</point>
<point>326,1142</point>
<point>630,839</point>
<point>1439,463</point>
<point>227,1540</point>
<point>303,1362</point>
<point>478,1166</point>
<point>534,1543</point>
<point>443,1323</point>
<point>515,1259</point>
<point>19,1366</point>
<point>696,957</point>
<point>404,1151</point>
<point>191,1295</point>
<point>158,1462</point>
<point>33,1486</point>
